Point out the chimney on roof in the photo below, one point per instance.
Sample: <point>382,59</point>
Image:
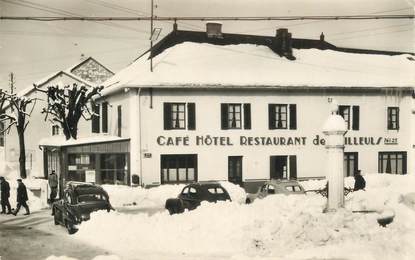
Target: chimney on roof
<point>283,43</point>
<point>322,37</point>
<point>214,30</point>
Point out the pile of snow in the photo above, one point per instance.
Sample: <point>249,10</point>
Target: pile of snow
<point>121,195</point>
<point>277,226</point>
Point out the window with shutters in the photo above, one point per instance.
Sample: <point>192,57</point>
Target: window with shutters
<point>351,115</point>
<point>393,118</point>
<point>105,117</point>
<point>119,121</point>
<point>175,116</point>
<point>95,118</point>
<point>282,116</point>
<point>235,116</point>
<point>392,162</point>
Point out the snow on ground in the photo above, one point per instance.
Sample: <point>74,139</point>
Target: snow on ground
<point>293,227</point>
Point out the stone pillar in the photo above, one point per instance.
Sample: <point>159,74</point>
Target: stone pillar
<point>334,129</point>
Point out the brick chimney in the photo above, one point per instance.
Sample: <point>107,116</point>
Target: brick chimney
<point>283,43</point>
<point>214,30</point>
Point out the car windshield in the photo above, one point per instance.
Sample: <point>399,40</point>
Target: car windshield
<point>91,197</point>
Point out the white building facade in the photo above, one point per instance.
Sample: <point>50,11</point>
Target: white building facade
<point>248,108</point>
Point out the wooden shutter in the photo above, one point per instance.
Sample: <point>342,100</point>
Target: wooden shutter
<point>191,118</point>
<point>95,118</point>
<point>105,117</point>
<point>167,116</point>
<point>247,116</point>
<point>356,118</point>
<point>224,116</point>
<point>293,116</point>
<point>271,116</point>
<point>119,122</point>
<point>397,118</point>
<point>293,166</point>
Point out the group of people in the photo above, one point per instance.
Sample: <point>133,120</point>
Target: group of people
<point>21,197</point>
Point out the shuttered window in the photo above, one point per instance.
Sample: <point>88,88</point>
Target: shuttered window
<point>95,118</point>
<point>119,121</point>
<point>282,116</point>
<point>393,118</point>
<point>105,117</point>
<point>351,115</point>
<point>231,116</point>
<point>175,116</point>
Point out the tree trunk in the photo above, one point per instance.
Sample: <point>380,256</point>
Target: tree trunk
<point>22,155</point>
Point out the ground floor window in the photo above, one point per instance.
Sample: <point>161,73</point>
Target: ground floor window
<point>283,167</point>
<point>114,169</point>
<point>350,163</point>
<point>178,168</point>
<point>78,164</point>
<point>392,162</point>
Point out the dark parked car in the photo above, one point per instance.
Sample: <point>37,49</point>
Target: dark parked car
<point>79,201</point>
<point>193,194</point>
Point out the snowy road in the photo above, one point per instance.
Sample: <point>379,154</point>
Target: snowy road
<point>36,237</point>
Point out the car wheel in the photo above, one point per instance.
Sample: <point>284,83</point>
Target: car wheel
<point>71,229</point>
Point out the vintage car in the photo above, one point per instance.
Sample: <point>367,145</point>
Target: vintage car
<point>79,201</point>
<point>276,187</point>
<point>193,194</point>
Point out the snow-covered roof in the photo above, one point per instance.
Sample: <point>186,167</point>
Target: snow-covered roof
<point>60,141</point>
<point>249,65</point>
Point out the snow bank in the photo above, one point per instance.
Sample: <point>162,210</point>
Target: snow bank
<point>121,195</point>
<point>277,226</point>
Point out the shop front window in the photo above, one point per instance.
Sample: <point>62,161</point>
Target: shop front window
<point>180,168</point>
<point>114,169</point>
<point>78,164</point>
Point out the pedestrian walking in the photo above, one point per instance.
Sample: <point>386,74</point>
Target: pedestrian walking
<point>5,194</point>
<point>53,184</point>
<point>21,198</point>
<point>359,181</point>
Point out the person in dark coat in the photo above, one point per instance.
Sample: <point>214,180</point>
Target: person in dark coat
<point>53,184</point>
<point>21,198</point>
<point>359,181</point>
<point>5,194</point>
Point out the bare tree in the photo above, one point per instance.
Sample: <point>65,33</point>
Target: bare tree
<point>15,111</point>
<point>66,105</point>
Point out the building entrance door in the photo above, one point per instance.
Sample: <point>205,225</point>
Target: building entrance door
<point>235,169</point>
<point>278,167</point>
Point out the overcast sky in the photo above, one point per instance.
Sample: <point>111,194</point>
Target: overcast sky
<point>33,50</point>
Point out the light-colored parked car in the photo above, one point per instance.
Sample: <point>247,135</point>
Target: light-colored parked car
<point>271,187</point>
